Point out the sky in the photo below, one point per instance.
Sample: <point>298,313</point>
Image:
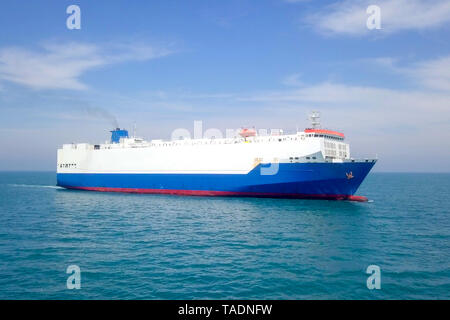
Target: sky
<point>268,63</point>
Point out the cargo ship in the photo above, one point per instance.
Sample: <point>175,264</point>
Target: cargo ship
<point>311,164</point>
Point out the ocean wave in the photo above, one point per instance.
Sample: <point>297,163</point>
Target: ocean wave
<point>33,186</point>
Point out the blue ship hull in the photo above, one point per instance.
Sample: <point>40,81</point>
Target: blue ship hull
<point>292,180</point>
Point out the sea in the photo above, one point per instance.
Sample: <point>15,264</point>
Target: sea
<point>135,246</point>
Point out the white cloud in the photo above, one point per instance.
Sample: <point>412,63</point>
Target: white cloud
<point>59,66</point>
<point>397,124</point>
<point>423,109</point>
<point>407,128</point>
<point>335,95</point>
<point>386,62</point>
<point>349,17</point>
<point>433,74</point>
<point>293,80</point>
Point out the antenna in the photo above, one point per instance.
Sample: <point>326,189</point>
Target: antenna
<point>314,116</point>
<point>134,129</point>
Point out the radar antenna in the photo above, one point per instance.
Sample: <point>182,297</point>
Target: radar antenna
<point>315,119</point>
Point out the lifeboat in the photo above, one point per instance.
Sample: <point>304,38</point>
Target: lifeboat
<point>246,132</point>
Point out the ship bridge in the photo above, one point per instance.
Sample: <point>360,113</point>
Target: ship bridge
<point>324,133</point>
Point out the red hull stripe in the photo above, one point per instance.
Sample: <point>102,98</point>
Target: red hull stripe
<point>225,193</point>
<point>323,131</point>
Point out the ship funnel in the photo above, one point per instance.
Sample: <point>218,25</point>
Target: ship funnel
<point>117,134</point>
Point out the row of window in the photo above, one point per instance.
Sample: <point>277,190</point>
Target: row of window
<point>330,145</point>
<point>227,142</point>
<point>67,165</point>
<point>168,144</point>
<point>231,142</point>
<point>307,158</point>
<point>324,136</point>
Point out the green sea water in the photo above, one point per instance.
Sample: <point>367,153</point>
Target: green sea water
<point>131,246</point>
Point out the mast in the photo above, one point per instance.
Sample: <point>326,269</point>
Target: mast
<point>314,117</point>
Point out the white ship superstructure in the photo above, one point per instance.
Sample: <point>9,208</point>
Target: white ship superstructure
<point>228,155</point>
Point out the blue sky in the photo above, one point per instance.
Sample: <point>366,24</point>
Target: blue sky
<point>164,64</point>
